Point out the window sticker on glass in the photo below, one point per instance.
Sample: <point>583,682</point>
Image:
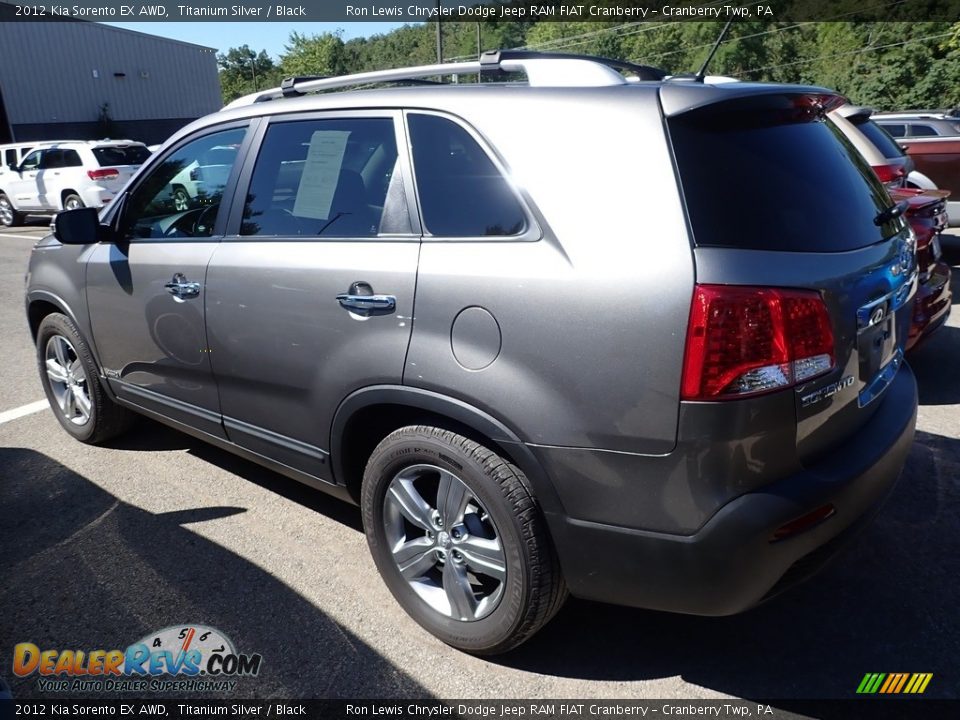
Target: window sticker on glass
<point>321,171</point>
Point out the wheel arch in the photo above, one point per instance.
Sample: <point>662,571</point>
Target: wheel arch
<point>368,415</point>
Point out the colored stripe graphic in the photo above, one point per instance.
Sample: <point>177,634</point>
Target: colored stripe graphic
<point>894,683</point>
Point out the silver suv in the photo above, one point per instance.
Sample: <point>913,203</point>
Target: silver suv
<point>550,335</point>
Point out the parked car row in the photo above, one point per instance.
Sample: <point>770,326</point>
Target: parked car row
<point>65,175</point>
<point>924,209</point>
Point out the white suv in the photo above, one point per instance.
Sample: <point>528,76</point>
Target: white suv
<point>67,174</point>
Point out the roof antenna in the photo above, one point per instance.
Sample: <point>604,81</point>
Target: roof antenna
<point>702,72</point>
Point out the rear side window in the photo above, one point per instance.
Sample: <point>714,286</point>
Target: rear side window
<point>897,131</point>
<point>121,155</point>
<point>767,179</point>
<point>71,158</point>
<point>880,138</point>
<point>334,177</point>
<point>922,131</point>
<point>462,194</point>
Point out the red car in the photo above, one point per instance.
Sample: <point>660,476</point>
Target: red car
<point>927,215</point>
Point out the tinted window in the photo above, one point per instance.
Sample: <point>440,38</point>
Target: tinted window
<point>880,138</point>
<point>71,158</point>
<point>121,155</point>
<point>775,181</point>
<point>462,194</point>
<point>332,178</point>
<point>921,131</point>
<point>10,156</point>
<point>52,159</point>
<point>895,130</point>
<point>176,200</point>
<point>31,161</point>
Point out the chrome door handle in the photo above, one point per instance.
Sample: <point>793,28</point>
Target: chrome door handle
<point>180,287</point>
<point>367,303</point>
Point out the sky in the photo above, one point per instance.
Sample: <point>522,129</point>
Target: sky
<point>269,36</point>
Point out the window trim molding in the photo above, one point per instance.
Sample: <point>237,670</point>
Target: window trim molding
<point>253,153</point>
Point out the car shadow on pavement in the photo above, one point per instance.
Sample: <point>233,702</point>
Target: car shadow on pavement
<point>84,570</point>
<point>148,435</point>
<point>887,603</point>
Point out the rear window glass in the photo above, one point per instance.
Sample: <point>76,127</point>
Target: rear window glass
<point>761,180</point>
<point>121,155</point>
<point>880,138</point>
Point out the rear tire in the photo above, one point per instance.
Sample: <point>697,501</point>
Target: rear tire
<point>459,540</point>
<point>9,217</point>
<point>71,382</point>
<point>72,201</point>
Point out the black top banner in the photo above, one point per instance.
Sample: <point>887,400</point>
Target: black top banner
<point>473,11</point>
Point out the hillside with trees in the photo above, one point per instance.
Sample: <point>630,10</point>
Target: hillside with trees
<point>887,65</point>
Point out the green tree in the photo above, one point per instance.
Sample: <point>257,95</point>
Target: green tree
<point>243,71</point>
<point>321,55</point>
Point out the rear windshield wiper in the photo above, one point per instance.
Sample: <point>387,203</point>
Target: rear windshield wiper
<point>894,211</point>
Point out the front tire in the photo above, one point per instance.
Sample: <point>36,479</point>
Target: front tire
<point>459,540</point>
<point>71,382</point>
<point>9,217</point>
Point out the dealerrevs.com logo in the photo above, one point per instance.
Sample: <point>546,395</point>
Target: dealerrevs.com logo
<point>180,658</point>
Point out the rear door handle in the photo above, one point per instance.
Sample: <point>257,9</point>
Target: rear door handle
<point>368,303</point>
<point>180,287</point>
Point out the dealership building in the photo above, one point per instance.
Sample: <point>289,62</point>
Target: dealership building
<point>83,80</point>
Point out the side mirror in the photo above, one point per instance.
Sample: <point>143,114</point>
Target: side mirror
<point>78,227</point>
<point>13,166</point>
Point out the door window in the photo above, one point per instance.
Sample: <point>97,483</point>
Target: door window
<point>898,131</point>
<point>31,161</point>
<point>462,194</point>
<point>922,131</point>
<point>335,177</point>
<point>181,197</point>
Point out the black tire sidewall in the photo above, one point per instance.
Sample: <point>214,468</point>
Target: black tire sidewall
<point>58,324</point>
<point>478,635</point>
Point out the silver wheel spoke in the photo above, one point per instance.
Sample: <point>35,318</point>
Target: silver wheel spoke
<point>452,497</point>
<point>484,557</point>
<point>82,402</point>
<point>415,557</point>
<point>409,502</point>
<point>55,371</point>
<point>69,403</point>
<point>61,352</point>
<point>463,603</point>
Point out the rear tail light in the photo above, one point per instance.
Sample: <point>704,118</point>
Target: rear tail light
<point>891,175</point>
<point>103,174</point>
<point>747,340</point>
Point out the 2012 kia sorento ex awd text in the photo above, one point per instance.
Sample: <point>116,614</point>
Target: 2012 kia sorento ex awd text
<point>530,328</point>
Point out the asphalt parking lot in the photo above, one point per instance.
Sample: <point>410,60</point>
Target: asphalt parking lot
<point>99,546</point>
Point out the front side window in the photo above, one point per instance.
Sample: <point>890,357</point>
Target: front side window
<point>31,161</point>
<point>335,177</point>
<point>181,196</point>
<point>462,194</point>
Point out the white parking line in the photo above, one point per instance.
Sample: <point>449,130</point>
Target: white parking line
<point>11,236</point>
<point>23,410</point>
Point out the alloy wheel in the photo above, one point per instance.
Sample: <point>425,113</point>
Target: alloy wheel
<point>444,543</point>
<point>68,380</point>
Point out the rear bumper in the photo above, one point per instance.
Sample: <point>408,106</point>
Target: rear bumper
<point>932,306</point>
<point>95,196</point>
<point>730,564</point>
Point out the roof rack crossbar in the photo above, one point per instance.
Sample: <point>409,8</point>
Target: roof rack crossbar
<point>542,69</point>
